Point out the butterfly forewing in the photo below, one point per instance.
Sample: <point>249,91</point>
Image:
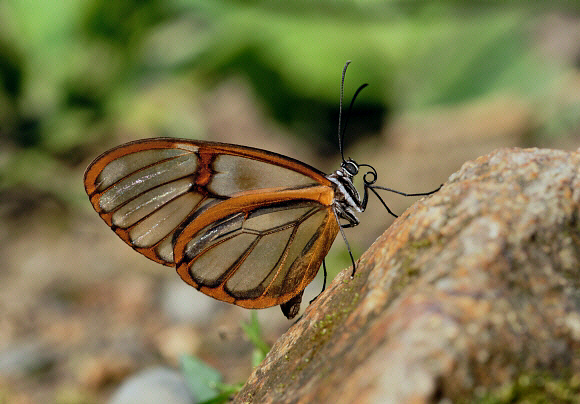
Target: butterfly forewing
<point>243,225</point>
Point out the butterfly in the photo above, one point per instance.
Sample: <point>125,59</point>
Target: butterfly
<point>243,225</point>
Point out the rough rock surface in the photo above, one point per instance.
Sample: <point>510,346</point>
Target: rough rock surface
<point>472,291</point>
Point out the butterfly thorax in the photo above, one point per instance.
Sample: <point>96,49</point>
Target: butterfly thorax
<point>347,200</point>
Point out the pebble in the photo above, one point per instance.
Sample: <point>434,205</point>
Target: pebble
<point>154,386</point>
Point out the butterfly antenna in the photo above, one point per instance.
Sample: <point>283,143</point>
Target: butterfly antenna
<point>342,128</point>
<point>340,131</point>
<point>349,113</point>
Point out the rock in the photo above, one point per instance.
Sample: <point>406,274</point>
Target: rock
<point>472,289</point>
<point>154,386</point>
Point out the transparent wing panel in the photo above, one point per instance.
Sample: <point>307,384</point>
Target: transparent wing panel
<point>125,165</point>
<point>146,179</point>
<point>270,218</point>
<point>214,263</point>
<point>148,202</point>
<point>305,237</point>
<point>233,174</point>
<point>163,221</point>
<point>266,242</point>
<point>260,264</point>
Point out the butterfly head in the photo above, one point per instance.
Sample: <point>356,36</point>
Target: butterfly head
<point>349,168</point>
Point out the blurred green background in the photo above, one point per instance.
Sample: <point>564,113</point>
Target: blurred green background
<point>448,81</point>
<point>76,74</point>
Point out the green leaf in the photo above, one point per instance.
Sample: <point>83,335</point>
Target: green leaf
<point>226,392</point>
<point>253,331</point>
<point>203,380</point>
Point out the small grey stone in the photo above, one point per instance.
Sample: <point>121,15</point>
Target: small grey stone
<point>154,386</point>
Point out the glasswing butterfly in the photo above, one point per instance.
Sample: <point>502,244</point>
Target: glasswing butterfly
<point>243,225</point>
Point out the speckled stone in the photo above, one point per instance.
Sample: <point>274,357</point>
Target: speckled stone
<point>468,290</point>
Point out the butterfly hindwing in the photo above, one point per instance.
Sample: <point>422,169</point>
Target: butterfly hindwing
<point>258,254</point>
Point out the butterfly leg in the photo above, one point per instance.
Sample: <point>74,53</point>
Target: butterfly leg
<point>323,282</point>
<point>340,226</point>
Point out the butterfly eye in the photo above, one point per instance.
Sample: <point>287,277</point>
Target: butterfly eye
<point>350,167</point>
